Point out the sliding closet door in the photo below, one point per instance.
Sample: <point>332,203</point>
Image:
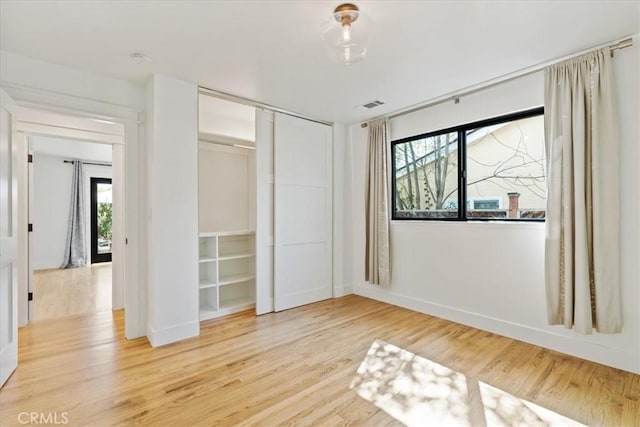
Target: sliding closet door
<point>303,267</point>
<point>264,211</point>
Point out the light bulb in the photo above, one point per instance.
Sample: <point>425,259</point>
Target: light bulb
<point>346,55</point>
<point>346,33</point>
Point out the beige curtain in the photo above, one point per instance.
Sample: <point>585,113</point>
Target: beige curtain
<point>377,267</point>
<point>582,263</point>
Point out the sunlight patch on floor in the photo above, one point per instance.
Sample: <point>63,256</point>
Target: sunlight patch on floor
<point>418,392</point>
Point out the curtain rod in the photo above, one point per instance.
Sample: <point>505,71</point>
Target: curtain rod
<point>455,95</point>
<point>88,163</point>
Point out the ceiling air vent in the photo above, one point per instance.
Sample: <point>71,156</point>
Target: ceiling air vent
<point>373,104</point>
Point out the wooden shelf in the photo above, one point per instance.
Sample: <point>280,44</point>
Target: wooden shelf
<point>205,284</point>
<point>237,303</point>
<point>238,278</point>
<point>227,307</point>
<point>208,312</point>
<point>226,257</point>
<point>226,233</point>
<point>227,268</point>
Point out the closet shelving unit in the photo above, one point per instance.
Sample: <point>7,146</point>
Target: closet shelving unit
<point>227,272</point>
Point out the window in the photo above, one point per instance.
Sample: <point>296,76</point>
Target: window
<point>494,169</point>
<point>101,219</point>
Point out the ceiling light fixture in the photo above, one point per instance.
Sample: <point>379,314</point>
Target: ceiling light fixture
<point>346,44</point>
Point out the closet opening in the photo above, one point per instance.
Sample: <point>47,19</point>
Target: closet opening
<point>226,207</point>
<point>265,208</point>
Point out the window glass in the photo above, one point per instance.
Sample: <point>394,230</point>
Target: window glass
<point>426,177</point>
<point>496,167</point>
<point>506,170</point>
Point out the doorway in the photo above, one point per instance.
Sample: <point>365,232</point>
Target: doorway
<point>60,288</point>
<point>101,220</point>
<point>76,129</point>
<point>76,119</point>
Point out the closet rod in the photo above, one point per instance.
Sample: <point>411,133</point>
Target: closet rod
<point>88,163</point>
<point>455,96</point>
<point>228,144</point>
<point>252,103</point>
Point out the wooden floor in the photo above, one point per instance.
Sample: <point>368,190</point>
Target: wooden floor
<point>72,291</point>
<point>289,368</point>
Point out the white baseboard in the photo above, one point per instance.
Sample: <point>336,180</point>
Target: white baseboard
<point>595,352</point>
<point>172,334</point>
<point>340,291</point>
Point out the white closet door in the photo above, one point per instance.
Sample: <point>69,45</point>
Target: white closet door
<point>264,211</point>
<point>303,261</point>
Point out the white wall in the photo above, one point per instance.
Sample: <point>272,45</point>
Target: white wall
<point>491,275</point>
<point>72,149</point>
<point>226,188</point>
<point>172,187</point>
<point>52,193</point>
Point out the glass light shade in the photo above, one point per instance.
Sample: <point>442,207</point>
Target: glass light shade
<point>346,42</point>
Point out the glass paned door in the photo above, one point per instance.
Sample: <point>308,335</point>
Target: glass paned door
<point>101,219</point>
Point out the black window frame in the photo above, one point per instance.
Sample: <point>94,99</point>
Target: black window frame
<point>95,256</point>
<point>462,165</point>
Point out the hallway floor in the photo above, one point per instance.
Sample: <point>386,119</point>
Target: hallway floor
<point>61,293</point>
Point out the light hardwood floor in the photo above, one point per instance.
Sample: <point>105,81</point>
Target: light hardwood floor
<point>289,368</point>
<point>72,291</point>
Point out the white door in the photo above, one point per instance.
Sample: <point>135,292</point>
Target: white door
<point>303,228</point>
<point>264,211</point>
<point>8,242</point>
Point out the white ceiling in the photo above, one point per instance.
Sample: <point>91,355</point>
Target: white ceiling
<point>271,51</point>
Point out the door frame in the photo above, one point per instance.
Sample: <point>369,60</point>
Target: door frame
<point>36,108</point>
<point>34,122</point>
<point>95,256</point>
